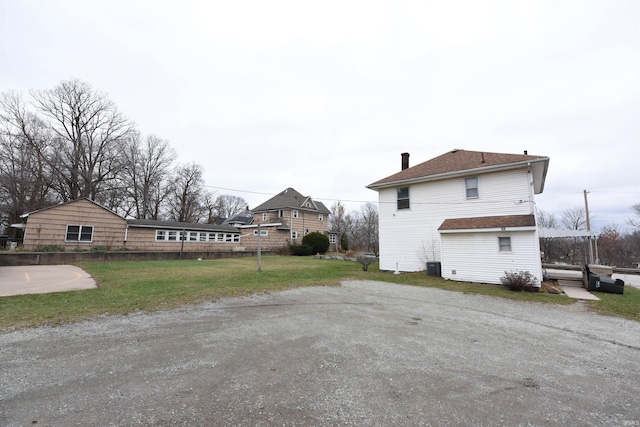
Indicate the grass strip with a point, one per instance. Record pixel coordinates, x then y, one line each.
134 286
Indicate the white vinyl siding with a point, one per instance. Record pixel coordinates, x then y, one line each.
406 234
475 257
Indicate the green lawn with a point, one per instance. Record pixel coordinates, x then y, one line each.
127 287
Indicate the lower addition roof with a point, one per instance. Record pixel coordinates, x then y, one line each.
488 222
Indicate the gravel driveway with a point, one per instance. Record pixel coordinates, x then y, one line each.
365 353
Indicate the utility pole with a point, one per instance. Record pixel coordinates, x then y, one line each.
259 233
586 210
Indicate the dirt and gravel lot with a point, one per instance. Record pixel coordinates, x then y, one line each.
366 353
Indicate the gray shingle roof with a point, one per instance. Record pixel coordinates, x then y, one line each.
150 223
291 199
243 218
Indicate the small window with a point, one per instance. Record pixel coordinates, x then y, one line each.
471 187
161 235
203 237
79 233
295 214
281 213
504 244
73 233
86 233
264 216
403 198
262 232
173 235
332 238
320 217
193 236
294 234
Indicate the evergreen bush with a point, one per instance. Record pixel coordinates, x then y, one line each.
318 242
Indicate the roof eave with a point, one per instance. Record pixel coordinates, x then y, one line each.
489 230
446 175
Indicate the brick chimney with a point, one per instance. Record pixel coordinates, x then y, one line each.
405 161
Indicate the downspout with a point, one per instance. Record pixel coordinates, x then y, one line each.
532 209
126 234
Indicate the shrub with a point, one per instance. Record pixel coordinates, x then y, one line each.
344 243
519 281
301 250
318 242
48 248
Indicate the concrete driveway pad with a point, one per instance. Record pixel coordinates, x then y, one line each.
40 279
365 353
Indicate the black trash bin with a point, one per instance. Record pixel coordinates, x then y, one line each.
611 286
592 280
434 268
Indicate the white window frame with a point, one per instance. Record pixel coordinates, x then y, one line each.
503 246
294 234
333 239
262 232
81 231
264 216
294 213
468 182
281 213
320 217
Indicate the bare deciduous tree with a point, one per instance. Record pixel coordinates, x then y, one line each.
145 174
339 221
227 205
635 222
574 218
187 194
25 175
90 132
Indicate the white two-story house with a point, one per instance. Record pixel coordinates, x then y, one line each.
474 212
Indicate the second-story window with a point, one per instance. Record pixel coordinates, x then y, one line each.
403 198
295 213
281 213
264 216
471 187
320 217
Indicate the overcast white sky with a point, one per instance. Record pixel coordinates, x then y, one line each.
324 96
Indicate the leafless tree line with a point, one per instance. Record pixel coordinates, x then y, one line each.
71 142
614 247
356 230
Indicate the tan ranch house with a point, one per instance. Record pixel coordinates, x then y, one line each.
84 224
